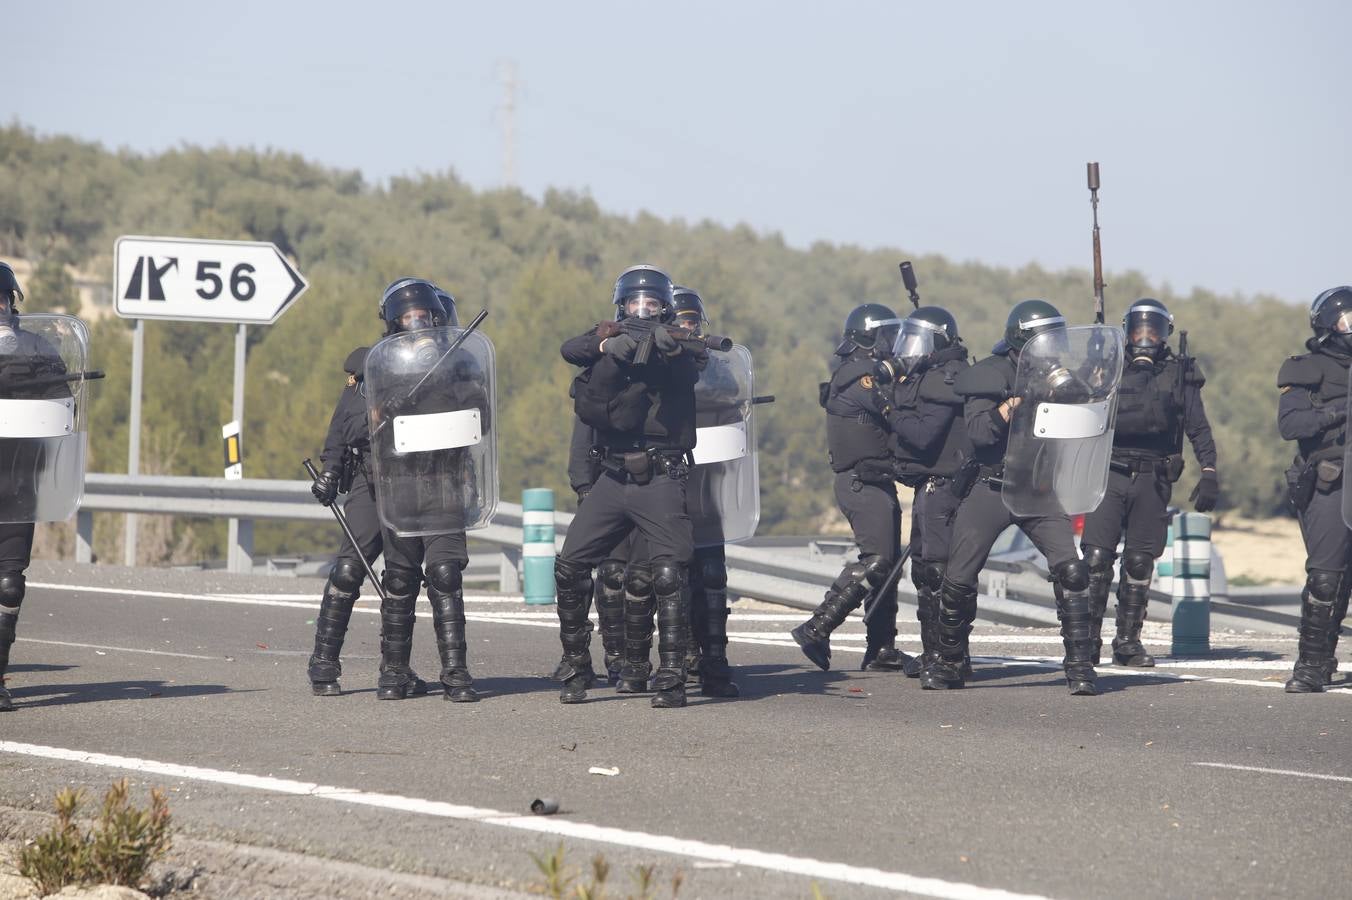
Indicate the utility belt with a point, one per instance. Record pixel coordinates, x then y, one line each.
639 466
877 472
1170 467
1322 471
970 472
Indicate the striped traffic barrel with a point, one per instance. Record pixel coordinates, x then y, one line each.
1190 537
537 545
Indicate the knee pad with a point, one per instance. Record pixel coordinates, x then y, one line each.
714 573
932 573
1138 566
1072 576
611 574
347 575
638 579
571 574
851 574
401 582
444 577
11 592
1098 558
876 570
666 578
1322 585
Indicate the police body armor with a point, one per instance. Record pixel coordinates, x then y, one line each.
855 437
723 494
433 431
933 385
43 438
1061 434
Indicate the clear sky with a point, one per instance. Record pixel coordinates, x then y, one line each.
957 128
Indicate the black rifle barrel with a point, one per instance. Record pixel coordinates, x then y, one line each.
908 280
347 530
1093 170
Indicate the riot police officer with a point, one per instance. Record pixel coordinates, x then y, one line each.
1159 401
857 438
929 445
1312 411
707 654
989 403
41 474
430 496
637 392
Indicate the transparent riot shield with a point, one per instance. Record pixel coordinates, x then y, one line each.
43 439
723 494
434 448
1061 433
1347 461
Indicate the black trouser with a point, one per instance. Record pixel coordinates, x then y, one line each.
1137 505
932 514
709 611
1328 584
616 507
874 515
442 557
981 518
16 550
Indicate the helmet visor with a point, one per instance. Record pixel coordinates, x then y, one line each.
915 340
1147 327
1343 324
642 305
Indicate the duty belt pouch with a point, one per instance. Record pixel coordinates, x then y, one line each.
639 467
1173 467
1300 490
964 478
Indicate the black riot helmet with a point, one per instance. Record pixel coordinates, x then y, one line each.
1331 317
406 296
925 331
448 305
1147 326
688 309
870 326
10 291
647 289
1029 318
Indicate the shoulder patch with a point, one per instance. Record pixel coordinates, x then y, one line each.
867 382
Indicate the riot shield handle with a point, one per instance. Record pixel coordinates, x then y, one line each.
347 530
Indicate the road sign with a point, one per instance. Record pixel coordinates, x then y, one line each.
183 279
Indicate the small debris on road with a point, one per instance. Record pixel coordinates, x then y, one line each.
601 770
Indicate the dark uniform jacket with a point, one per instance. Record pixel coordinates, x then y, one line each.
665 386
348 425
1157 405
983 387
857 437
1312 410
928 438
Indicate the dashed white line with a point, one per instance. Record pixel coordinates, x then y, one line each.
24 640
699 850
1291 772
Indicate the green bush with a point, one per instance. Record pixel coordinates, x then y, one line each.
118 850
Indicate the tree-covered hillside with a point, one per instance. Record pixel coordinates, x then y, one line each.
544 270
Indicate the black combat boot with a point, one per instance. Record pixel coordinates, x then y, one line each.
1133 593
448 620
927 614
695 603
609 596
1336 627
640 606
1072 608
8 622
335 611
1317 604
397 680
574 585
850 590
673 635
716 675
957 611
1100 562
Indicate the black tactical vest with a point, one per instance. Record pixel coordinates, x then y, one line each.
935 385
854 430
1332 391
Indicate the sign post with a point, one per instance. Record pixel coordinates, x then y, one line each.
190 280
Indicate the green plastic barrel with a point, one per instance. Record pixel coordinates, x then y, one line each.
537 545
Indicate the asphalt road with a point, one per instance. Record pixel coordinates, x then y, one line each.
1202 779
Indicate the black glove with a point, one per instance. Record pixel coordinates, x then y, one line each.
621 346
663 340
1207 492
325 487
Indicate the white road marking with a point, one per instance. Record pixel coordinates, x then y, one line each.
24 640
1291 772
562 827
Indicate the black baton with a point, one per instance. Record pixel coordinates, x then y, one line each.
347 530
